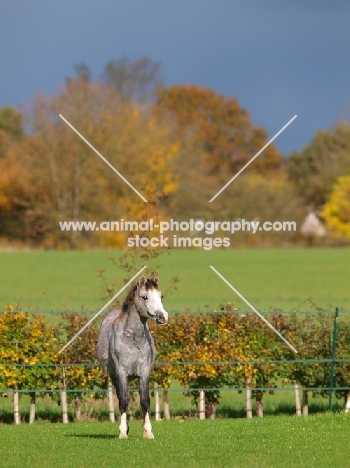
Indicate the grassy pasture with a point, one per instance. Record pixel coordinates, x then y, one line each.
268 278
320 440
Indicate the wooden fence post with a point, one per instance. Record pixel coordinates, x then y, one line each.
347 402
201 404
166 405
248 399
110 402
32 407
63 397
334 345
297 399
77 408
16 414
156 402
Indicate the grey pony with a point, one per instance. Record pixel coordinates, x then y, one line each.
125 347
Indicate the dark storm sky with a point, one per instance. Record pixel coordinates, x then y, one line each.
278 58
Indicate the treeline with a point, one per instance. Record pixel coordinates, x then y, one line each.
200 351
177 145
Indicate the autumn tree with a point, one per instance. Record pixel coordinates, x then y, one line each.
52 175
223 130
315 169
218 139
177 152
336 211
11 131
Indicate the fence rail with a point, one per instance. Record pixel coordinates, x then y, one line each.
189 312
180 389
185 363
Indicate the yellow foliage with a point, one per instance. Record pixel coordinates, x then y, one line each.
26 339
336 211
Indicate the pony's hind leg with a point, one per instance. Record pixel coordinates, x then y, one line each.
145 406
121 386
147 427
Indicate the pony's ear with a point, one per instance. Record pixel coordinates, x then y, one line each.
156 279
142 281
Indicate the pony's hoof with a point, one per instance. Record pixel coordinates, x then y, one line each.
148 435
123 435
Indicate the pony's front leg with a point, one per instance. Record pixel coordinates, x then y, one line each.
123 397
145 406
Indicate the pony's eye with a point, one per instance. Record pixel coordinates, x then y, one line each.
144 298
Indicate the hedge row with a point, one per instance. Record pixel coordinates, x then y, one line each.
229 346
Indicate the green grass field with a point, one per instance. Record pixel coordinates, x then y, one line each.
277 278
267 278
315 441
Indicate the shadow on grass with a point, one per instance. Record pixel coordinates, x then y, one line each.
45 416
278 409
94 436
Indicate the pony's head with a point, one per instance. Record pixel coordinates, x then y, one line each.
148 300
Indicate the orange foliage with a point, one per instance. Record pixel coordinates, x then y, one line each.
51 175
221 127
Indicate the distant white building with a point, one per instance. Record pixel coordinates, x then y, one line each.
312 226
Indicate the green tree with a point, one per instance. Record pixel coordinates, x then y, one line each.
315 169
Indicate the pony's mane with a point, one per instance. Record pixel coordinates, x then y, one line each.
150 284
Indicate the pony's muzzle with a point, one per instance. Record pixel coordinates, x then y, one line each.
161 318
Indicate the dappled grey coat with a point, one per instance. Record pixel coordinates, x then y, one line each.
105 339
